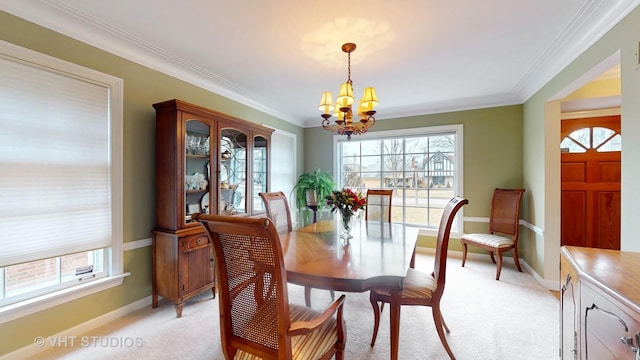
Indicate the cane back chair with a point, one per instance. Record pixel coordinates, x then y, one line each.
256 319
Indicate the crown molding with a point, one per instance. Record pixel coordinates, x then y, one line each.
595 18
62 18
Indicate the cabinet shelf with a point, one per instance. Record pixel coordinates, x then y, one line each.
189 192
191 156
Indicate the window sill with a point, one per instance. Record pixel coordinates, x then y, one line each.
31 306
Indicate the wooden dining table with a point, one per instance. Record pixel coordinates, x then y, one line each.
377 256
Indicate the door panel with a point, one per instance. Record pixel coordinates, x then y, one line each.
573 172
607 220
574 218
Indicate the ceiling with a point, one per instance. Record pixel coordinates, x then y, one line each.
278 56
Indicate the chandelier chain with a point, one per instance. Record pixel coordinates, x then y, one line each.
349 68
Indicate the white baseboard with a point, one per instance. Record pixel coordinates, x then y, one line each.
550 285
32 350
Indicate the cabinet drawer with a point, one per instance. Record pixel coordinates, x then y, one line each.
195 242
606 322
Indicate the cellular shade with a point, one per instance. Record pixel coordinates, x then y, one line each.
54 163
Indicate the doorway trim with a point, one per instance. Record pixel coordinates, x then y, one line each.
553 116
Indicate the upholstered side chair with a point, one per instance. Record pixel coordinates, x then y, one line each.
421 288
503 229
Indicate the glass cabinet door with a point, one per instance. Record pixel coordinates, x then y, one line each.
233 172
197 145
259 172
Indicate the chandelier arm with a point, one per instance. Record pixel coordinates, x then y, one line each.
327 125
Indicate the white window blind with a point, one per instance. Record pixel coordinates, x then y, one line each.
55 178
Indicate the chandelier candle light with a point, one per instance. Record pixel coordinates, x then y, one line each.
344 124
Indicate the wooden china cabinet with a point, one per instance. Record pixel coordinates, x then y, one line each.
206 162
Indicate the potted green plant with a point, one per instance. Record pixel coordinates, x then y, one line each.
313 188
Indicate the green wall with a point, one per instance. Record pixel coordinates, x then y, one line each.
492 154
541 159
142 88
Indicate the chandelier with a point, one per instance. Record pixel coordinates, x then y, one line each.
344 123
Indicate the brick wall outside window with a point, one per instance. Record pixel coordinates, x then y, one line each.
42 271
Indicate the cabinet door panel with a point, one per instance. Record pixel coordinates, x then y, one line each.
197 173
233 171
605 323
196 263
568 324
260 172
200 270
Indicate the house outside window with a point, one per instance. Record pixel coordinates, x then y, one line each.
423 166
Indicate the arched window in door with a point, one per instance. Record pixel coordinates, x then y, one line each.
600 139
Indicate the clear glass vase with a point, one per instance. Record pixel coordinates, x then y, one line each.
347 217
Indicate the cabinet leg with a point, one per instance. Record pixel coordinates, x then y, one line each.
154 301
213 290
179 309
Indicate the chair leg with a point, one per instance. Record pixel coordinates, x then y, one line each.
444 324
464 253
376 317
515 258
493 259
307 296
440 326
499 270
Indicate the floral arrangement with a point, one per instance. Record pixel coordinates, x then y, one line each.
347 202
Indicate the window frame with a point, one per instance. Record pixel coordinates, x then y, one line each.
457 229
115 265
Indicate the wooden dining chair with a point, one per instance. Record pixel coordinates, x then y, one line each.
503 229
421 288
277 208
278 211
378 205
256 319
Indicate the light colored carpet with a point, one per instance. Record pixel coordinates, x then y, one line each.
514 318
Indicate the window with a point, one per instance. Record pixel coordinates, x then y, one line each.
599 139
61 184
423 166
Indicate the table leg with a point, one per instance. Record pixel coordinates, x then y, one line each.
394 317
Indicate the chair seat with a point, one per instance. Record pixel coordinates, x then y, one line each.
309 346
490 240
416 285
